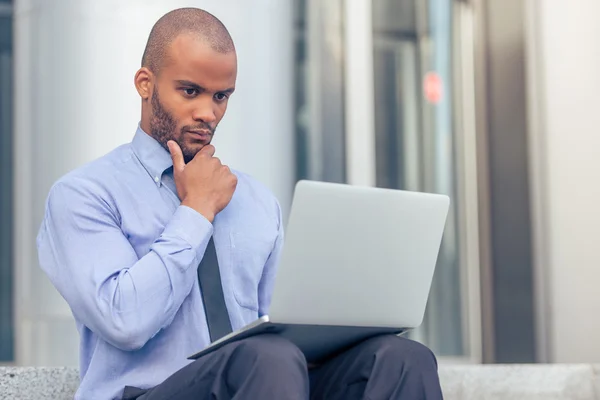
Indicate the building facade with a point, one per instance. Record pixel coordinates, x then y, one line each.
461 97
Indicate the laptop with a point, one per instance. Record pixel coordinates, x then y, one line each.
357 262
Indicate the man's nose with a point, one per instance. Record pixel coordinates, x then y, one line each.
205 111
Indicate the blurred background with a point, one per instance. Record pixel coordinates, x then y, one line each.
492 102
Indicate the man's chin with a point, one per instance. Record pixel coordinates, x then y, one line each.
190 152
191 147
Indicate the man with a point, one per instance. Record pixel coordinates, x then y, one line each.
127 239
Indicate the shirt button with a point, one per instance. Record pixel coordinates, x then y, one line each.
156 179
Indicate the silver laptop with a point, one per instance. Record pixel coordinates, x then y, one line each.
357 262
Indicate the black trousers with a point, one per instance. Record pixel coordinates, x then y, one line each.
269 367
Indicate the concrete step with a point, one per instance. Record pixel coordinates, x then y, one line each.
521 382
43 383
468 382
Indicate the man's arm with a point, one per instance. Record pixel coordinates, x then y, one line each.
124 299
267 281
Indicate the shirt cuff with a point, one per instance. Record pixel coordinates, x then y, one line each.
191 226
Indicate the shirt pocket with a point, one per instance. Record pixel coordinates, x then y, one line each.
249 255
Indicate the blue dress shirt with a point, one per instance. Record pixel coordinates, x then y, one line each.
123 252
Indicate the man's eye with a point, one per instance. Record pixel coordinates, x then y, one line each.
220 96
190 92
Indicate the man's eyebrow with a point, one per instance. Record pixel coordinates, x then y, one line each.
193 85
190 84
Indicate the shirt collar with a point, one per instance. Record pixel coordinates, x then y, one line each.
155 159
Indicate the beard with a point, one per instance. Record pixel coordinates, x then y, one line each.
163 127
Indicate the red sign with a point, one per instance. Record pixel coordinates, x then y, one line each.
433 88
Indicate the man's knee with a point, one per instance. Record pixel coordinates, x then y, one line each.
272 351
405 352
268 364
407 369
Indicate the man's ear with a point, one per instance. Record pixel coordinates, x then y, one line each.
144 79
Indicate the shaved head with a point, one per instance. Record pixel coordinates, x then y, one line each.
188 74
192 21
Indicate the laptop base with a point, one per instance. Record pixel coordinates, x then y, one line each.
317 342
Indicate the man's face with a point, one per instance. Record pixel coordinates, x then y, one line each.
190 94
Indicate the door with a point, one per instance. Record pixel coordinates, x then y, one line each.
382 95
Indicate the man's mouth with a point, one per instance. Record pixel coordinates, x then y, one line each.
201 134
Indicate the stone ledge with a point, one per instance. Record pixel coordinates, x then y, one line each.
522 382
43 383
468 382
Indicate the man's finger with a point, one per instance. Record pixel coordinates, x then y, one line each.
176 155
208 150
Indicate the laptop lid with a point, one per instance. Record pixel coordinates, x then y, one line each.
358 256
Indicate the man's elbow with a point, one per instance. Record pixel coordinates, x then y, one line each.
127 340
129 345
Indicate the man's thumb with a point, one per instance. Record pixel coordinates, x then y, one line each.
176 155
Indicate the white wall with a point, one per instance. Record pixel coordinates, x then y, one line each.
75 100
565 144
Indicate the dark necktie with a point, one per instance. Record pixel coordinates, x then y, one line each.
211 289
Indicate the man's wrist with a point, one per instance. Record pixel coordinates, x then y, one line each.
200 207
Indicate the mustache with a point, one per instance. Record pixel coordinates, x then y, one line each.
201 126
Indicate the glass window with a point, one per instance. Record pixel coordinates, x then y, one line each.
412 42
300 73
6 170
320 146
414 118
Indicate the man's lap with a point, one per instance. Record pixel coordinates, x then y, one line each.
216 372
223 370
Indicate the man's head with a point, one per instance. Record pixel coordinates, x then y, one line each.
188 72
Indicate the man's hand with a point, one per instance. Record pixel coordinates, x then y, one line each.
203 184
